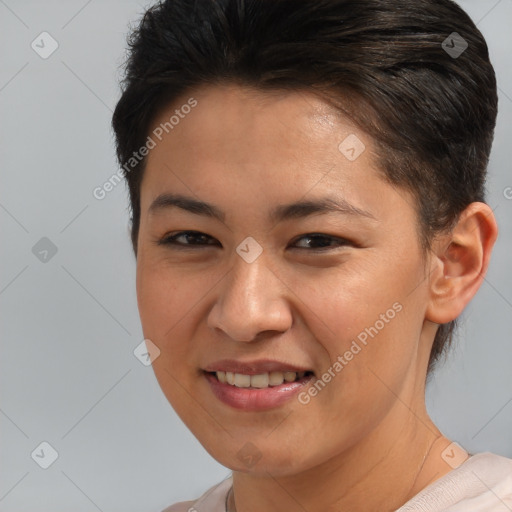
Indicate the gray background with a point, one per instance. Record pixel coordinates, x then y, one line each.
69 325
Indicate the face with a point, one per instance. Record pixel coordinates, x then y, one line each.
270 247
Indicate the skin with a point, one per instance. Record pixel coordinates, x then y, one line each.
365 442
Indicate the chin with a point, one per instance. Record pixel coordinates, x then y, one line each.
258 457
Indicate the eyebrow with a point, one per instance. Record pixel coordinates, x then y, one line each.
280 213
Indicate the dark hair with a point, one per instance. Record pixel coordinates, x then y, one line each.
392 66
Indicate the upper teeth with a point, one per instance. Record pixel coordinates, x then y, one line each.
263 380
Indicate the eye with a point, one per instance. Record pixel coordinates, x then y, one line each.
188 238
321 242
314 241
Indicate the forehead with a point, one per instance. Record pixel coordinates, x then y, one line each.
251 128
240 146
231 112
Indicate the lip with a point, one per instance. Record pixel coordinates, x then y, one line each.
254 399
253 367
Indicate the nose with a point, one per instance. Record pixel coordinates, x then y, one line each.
250 302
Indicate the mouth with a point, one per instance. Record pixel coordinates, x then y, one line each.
261 380
255 387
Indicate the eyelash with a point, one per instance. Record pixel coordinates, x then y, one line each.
170 240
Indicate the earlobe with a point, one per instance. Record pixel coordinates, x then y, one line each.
459 261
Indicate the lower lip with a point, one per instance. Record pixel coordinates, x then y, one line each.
253 399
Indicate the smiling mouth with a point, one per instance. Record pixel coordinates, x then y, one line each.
262 380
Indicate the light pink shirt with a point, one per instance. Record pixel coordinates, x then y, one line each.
481 484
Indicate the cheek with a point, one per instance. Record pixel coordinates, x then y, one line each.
164 300
164 295
366 320
166 304
173 304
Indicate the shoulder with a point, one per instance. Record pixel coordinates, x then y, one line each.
182 506
491 461
481 484
214 498
491 471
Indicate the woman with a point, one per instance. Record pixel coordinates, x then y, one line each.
307 195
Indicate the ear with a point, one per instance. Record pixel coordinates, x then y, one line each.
459 261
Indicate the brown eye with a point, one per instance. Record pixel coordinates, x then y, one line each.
188 239
319 241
